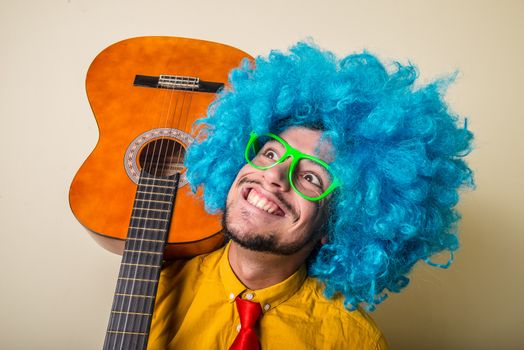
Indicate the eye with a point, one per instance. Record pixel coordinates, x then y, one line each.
270 154
313 179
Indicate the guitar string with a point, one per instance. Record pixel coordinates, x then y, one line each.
163 162
159 159
150 155
123 284
146 165
146 162
156 161
180 156
179 119
182 125
173 121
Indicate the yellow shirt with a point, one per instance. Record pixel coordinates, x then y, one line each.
195 309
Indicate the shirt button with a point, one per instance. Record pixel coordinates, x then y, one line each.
266 307
238 328
249 296
231 296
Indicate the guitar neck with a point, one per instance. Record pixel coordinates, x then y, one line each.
137 283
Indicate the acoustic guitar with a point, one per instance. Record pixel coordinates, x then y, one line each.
131 192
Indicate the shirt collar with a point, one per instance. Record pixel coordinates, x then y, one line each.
269 297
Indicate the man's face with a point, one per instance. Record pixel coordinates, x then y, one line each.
264 213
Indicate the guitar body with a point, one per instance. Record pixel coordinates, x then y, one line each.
138 122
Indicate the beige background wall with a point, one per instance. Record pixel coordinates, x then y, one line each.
57 283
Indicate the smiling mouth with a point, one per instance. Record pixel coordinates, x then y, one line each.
259 201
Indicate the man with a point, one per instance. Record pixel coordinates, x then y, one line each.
334 177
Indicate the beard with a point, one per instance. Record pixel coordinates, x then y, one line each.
264 242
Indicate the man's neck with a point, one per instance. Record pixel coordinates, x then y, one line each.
258 270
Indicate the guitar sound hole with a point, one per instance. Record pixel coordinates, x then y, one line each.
162 157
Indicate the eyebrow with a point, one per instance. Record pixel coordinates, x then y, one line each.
272 141
318 167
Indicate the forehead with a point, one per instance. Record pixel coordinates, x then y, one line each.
309 141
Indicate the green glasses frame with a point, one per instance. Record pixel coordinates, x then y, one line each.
296 155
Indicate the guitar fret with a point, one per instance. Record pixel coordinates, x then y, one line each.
136 279
146 240
149 209
142 251
146 246
131 313
144 216
154 240
122 332
134 287
147 228
152 211
141 265
156 193
130 304
155 179
150 259
139 218
157 229
153 207
137 272
135 295
125 341
158 186
151 200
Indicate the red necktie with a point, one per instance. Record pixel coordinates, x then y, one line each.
249 313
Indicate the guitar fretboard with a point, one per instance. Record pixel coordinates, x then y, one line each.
137 283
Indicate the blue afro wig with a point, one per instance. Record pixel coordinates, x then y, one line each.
398 155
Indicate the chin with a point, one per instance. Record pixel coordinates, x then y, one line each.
259 242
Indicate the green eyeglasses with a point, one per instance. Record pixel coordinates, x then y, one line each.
309 176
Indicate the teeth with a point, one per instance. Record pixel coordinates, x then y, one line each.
261 202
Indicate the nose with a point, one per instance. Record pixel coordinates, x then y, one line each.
277 176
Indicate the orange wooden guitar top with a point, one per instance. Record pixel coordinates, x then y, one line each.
102 193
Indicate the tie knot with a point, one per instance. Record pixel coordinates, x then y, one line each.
248 311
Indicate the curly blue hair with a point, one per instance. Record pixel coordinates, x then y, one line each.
398 154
